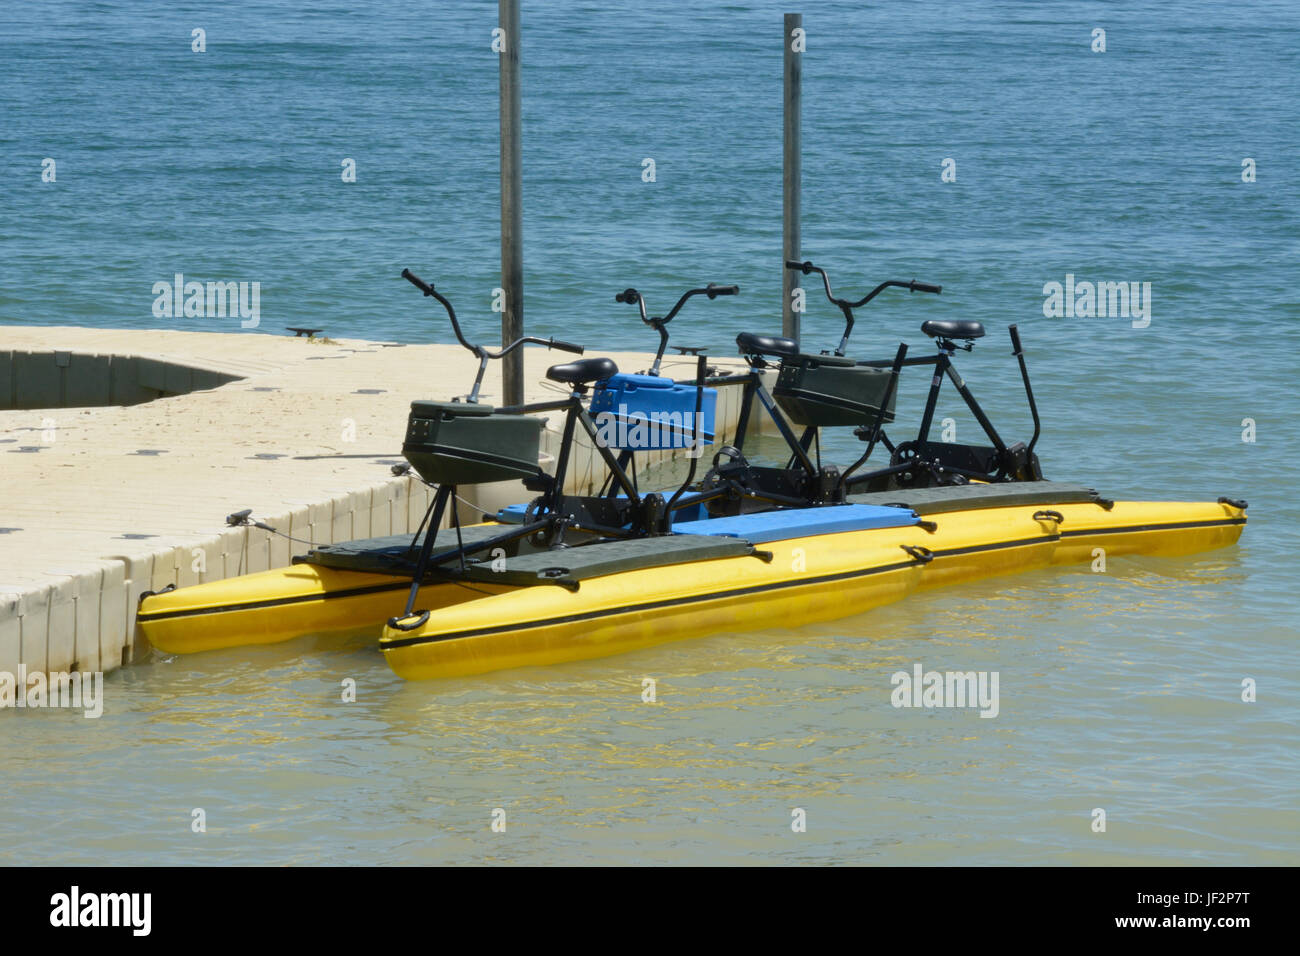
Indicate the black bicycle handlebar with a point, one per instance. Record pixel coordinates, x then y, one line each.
847 307
429 290
416 281
807 268
530 340
479 351
712 290
658 323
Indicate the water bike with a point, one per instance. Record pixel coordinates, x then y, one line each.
588 576
807 541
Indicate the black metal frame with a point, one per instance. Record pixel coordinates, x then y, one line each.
941 459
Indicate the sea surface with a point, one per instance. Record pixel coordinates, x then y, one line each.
1120 691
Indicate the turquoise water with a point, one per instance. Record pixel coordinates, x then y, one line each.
1119 691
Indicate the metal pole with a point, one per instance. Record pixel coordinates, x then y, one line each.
512 252
792 174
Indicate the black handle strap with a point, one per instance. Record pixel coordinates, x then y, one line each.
922 555
409 622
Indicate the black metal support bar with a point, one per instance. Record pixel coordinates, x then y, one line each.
555 405
611 462
784 428
626 460
1019 353
556 493
699 497
941 364
696 447
718 380
430 536
880 473
876 432
746 404
974 406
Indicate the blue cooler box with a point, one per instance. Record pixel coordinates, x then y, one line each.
646 412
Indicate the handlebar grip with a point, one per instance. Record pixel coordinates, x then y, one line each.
630 296
924 287
416 281
566 346
716 290
1015 341
804 267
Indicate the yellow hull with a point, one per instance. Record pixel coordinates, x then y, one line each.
808 579
279 605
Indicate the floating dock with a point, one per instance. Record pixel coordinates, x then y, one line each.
122 452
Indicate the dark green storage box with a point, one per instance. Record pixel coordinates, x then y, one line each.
830 390
458 443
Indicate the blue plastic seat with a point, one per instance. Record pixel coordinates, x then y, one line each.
800 522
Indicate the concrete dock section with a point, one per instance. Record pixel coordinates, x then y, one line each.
122 452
